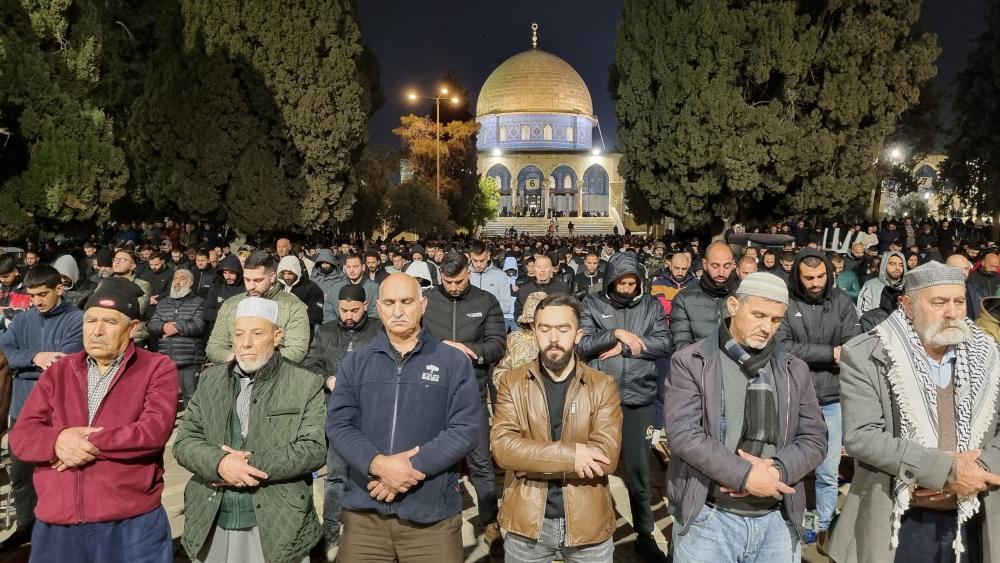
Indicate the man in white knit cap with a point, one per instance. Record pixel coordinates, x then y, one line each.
744 429
252 436
919 396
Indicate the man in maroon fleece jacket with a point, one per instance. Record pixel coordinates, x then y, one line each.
96 426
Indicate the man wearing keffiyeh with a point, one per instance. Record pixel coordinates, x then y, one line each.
744 428
919 395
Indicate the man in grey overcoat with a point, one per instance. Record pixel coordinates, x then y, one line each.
919 395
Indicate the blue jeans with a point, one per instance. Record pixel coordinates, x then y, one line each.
519 549
333 494
717 536
826 473
145 539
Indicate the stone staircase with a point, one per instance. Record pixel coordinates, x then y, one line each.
582 226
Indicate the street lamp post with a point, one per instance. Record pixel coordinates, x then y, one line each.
442 95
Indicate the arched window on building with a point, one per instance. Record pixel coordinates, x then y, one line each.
503 134
525 133
596 198
547 132
502 177
569 134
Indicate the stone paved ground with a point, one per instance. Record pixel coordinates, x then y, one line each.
176 477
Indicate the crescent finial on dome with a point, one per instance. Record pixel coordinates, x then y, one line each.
534 36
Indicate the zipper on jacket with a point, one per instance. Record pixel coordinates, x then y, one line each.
454 320
395 406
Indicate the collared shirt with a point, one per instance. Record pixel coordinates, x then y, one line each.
98 385
243 399
943 370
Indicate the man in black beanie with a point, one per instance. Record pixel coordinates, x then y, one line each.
352 329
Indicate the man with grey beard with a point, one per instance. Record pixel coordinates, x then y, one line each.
251 437
178 326
919 396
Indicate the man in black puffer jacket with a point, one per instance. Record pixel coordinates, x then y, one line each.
697 311
624 331
819 320
471 320
179 325
228 282
331 343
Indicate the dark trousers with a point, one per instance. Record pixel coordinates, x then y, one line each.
23 489
481 473
662 371
141 539
925 536
188 380
637 433
370 537
333 494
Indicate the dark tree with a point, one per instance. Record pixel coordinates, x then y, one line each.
734 109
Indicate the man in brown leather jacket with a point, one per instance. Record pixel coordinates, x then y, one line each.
557 431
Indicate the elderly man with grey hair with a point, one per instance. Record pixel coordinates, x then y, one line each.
744 429
178 326
251 437
919 394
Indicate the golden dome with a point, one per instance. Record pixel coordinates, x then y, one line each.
534 82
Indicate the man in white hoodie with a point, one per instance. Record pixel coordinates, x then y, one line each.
292 281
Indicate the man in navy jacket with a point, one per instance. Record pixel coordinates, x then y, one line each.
405 411
37 339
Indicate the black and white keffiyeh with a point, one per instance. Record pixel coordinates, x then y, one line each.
976 381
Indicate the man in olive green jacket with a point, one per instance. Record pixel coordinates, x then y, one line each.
260 276
252 436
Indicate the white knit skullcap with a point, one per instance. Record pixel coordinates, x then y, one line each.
258 307
763 284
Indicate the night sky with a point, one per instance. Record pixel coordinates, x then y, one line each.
418 42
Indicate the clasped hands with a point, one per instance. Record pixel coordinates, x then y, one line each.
235 470
764 479
73 448
625 338
393 475
968 478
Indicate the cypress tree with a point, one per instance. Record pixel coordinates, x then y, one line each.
753 109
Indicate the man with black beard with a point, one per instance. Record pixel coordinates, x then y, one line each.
698 310
334 340
557 431
624 331
373 267
819 320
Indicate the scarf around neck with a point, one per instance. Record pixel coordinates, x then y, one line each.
760 407
976 382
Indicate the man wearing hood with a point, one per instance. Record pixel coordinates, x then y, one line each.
820 319
327 272
228 282
354 273
76 289
698 310
624 331
890 272
291 278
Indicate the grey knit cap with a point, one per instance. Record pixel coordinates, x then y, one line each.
763 284
930 274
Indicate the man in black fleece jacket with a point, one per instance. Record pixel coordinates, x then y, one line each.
820 319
